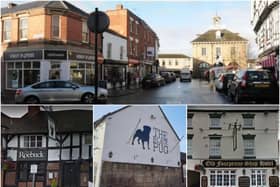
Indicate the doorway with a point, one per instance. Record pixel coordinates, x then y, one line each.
70 176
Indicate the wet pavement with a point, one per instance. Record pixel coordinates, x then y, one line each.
195 92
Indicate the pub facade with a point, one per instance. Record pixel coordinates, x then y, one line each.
46 148
233 146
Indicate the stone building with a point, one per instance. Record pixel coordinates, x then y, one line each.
174 62
136 146
142 41
218 45
265 22
44 40
57 143
233 145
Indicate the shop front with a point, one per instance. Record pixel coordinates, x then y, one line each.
134 71
247 173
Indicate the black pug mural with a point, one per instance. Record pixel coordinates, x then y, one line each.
143 135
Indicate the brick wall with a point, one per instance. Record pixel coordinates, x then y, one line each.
128 175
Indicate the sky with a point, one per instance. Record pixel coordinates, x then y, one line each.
177 23
176 114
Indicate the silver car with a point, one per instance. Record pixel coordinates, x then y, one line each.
58 91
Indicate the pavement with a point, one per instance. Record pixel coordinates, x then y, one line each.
117 92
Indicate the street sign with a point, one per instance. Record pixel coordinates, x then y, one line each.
33 168
98 22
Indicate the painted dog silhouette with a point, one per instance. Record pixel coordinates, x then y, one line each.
144 136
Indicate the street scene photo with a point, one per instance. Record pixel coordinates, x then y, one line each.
98 52
139 145
233 146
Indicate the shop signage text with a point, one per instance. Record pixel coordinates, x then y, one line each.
80 56
160 141
30 155
238 163
23 55
50 54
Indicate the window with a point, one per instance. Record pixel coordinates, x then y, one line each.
121 52
218 51
189 148
170 63
88 139
109 50
203 52
85 34
23 28
24 171
131 25
222 178
82 73
249 147
248 120
215 147
131 47
55 26
215 120
21 74
190 116
7 30
176 63
136 49
258 177
163 63
32 141
232 51
136 28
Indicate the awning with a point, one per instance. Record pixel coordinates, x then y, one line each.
133 61
269 61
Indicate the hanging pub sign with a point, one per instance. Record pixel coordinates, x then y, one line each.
81 56
55 54
238 163
25 55
32 154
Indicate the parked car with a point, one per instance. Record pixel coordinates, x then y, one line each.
167 76
152 80
185 75
173 76
253 85
58 91
221 82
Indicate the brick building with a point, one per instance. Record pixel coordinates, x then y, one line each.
218 45
44 40
142 41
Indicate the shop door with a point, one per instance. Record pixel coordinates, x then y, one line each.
70 175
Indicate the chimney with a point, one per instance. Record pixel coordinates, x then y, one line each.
33 110
119 7
11 5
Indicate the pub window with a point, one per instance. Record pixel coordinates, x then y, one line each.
203 51
189 148
249 147
258 177
7 30
85 34
23 28
121 52
32 141
24 171
109 50
222 177
248 120
55 26
215 147
215 119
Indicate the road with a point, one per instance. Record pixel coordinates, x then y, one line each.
195 92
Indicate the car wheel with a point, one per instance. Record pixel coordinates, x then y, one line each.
31 100
88 98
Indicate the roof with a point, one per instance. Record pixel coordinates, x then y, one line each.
166 55
65 121
210 36
234 108
64 5
99 121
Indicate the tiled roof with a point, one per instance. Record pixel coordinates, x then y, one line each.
44 4
210 36
172 56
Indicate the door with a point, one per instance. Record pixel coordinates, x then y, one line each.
71 176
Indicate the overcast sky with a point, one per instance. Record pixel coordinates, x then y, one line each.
178 23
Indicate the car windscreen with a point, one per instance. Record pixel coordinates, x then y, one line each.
259 76
44 85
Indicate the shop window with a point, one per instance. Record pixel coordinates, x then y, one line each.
215 147
249 147
258 177
7 30
203 51
55 26
23 28
21 74
82 73
24 171
109 50
85 32
32 141
222 177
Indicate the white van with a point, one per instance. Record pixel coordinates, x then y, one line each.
185 75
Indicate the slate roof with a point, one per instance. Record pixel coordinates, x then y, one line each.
65 121
210 36
172 56
64 5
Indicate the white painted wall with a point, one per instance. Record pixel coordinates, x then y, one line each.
182 63
117 42
120 130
